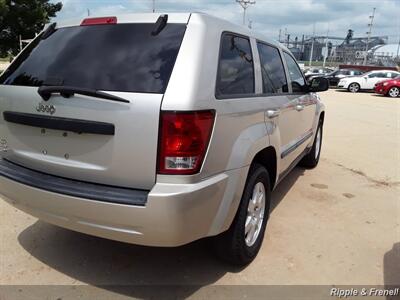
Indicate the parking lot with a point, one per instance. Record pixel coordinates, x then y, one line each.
334 225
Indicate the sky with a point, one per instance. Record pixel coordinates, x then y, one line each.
267 16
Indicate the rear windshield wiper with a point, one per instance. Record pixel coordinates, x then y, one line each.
67 91
49 31
160 24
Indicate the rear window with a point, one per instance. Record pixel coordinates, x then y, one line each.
123 57
235 70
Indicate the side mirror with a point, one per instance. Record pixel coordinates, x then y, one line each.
318 84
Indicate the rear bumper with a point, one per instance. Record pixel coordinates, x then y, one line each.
175 214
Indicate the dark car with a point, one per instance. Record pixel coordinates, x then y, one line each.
335 76
310 73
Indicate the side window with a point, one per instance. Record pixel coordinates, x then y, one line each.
390 75
377 75
273 72
297 79
394 75
235 70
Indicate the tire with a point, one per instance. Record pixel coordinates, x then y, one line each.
353 87
235 245
394 92
312 158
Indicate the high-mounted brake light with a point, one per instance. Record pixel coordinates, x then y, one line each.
99 21
184 138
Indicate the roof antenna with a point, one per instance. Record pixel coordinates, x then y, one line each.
160 24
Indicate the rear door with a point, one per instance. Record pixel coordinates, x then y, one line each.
124 60
373 79
281 110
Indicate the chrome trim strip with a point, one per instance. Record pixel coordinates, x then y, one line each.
293 147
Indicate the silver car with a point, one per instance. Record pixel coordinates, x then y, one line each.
156 129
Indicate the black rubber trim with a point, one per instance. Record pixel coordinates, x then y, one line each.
57 123
71 187
293 165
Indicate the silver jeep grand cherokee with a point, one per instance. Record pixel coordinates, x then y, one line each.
156 129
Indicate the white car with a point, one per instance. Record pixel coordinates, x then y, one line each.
366 81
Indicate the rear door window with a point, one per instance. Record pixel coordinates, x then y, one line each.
121 57
235 69
377 75
295 75
273 72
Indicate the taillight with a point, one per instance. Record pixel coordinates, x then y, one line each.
184 138
99 21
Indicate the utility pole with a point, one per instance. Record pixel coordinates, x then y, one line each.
370 24
279 36
88 12
326 47
312 46
398 46
245 5
154 6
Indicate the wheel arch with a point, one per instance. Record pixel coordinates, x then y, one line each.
267 158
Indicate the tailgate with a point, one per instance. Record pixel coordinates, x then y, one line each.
85 137
125 158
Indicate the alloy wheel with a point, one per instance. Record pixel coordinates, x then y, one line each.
255 214
354 87
318 143
394 92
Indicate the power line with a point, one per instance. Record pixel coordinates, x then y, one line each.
245 5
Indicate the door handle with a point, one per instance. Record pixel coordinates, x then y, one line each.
299 107
273 113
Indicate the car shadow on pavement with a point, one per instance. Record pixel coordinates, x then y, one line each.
120 267
127 269
359 92
285 185
391 269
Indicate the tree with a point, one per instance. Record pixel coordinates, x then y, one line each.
23 18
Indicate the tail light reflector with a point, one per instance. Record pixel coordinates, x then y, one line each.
184 138
99 21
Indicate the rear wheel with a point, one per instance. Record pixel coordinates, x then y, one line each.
312 158
394 92
241 243
354 87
